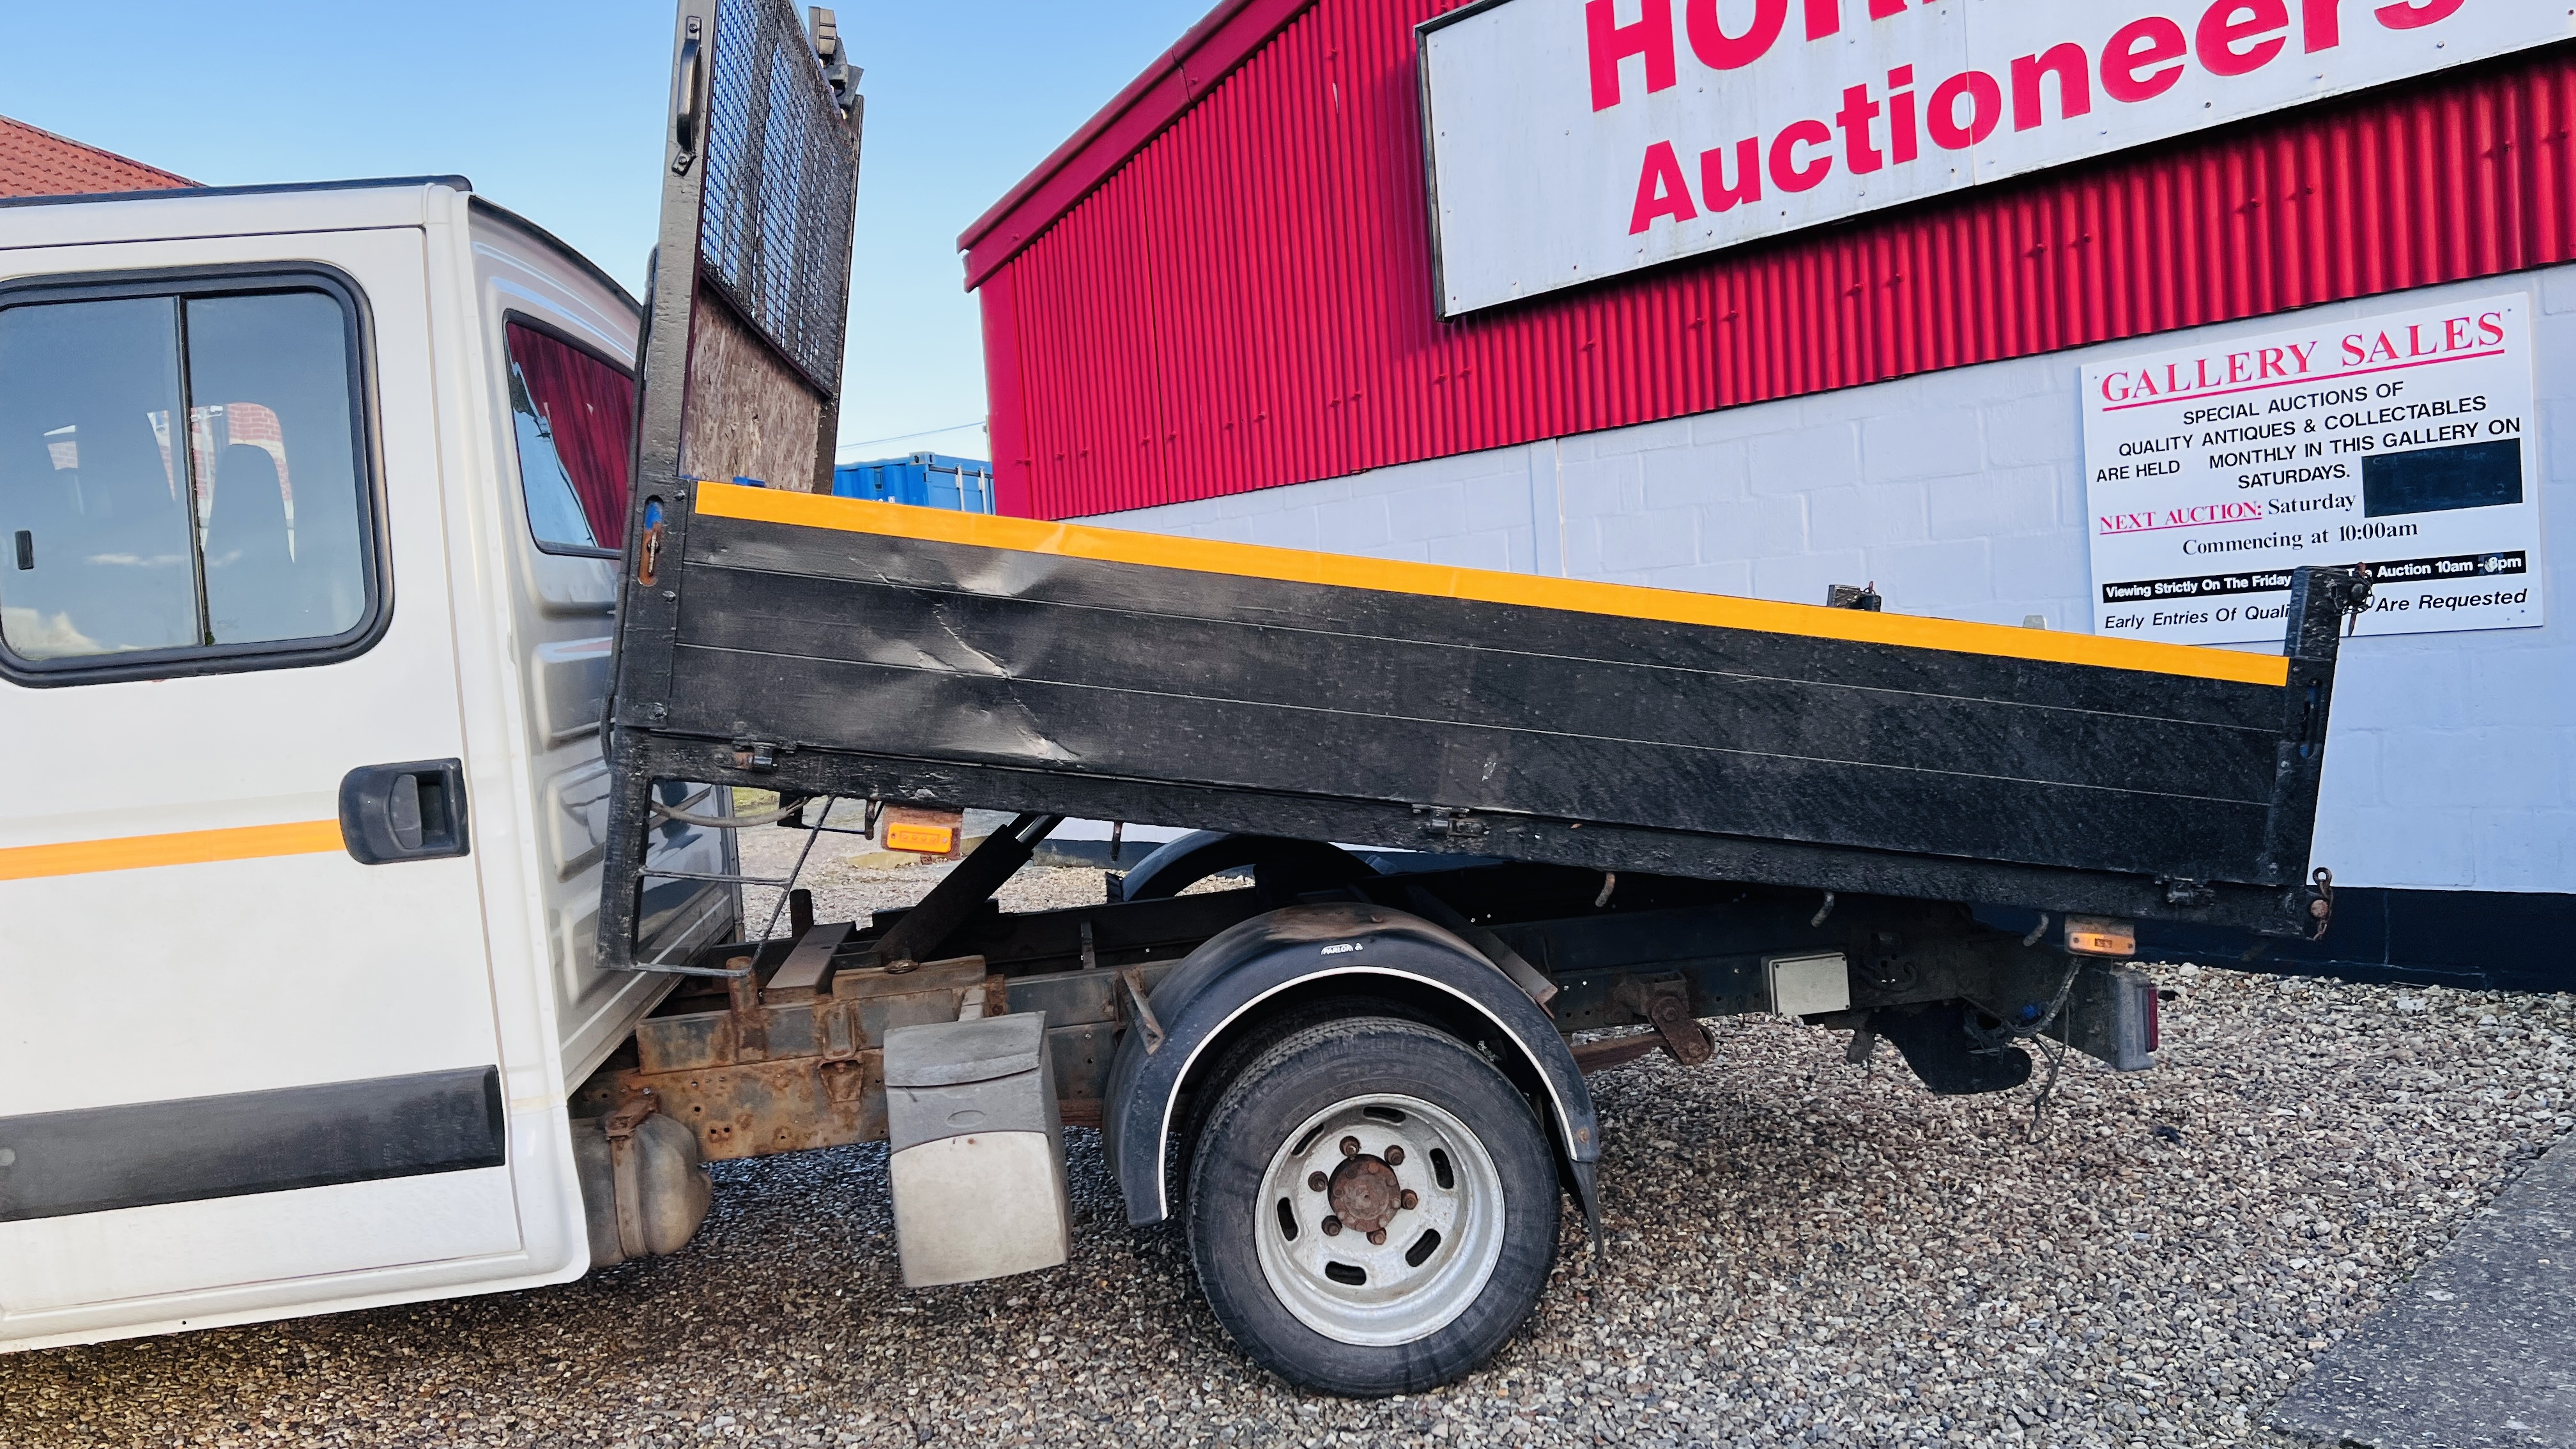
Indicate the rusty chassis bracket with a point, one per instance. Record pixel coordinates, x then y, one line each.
786 1053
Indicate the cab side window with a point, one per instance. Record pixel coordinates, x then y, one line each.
182 479
575 420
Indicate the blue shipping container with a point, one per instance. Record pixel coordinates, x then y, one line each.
931 480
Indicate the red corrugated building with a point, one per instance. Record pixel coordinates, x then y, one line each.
1223 282
40 163
1763 295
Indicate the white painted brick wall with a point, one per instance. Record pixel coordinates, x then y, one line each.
1961 494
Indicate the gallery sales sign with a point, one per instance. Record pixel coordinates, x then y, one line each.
1572 140
2397 441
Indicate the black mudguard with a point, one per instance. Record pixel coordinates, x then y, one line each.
1279 866
1221 988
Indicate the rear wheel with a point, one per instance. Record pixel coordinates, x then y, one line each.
1372 1207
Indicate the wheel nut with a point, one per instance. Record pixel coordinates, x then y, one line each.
1350 1147
1332 1227
1317 1181
1410 1200
1377 1239
1394 1157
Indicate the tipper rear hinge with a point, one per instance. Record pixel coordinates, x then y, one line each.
1449 822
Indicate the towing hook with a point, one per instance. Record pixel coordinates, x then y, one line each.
2321 902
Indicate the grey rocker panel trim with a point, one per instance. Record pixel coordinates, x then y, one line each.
98 1159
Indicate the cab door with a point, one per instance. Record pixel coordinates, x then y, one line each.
248 1059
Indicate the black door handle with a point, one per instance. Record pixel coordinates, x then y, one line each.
414 811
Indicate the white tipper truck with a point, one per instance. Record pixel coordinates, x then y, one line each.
390 605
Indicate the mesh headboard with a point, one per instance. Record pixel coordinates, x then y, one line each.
751 277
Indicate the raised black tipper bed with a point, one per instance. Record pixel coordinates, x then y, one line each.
1358 1082
865 650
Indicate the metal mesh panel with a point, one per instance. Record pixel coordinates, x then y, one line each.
782 171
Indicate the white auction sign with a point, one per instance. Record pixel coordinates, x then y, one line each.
2400 441
1572 140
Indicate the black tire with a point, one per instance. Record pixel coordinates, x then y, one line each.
1249 1045
1317 1071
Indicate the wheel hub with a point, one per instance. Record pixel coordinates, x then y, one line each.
1365 1193
1362 1254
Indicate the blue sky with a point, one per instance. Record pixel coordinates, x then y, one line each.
554 108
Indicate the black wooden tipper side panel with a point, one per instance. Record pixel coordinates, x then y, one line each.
1491 708
867 662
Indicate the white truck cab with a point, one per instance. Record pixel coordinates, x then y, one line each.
310 501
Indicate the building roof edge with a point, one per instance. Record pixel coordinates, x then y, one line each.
95 156
1224 39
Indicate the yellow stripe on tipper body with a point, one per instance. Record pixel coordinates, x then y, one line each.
1352 571
185 847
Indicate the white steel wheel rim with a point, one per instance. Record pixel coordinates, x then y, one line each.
1408 1288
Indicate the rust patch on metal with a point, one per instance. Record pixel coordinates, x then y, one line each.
1365 1193
753 1109
1664 1003
1617 1051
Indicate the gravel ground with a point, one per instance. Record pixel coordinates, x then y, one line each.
847 892
1800 1250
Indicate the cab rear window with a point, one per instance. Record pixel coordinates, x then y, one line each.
183 477
574 418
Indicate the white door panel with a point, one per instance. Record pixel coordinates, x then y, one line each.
238 976
184 931
188 1248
